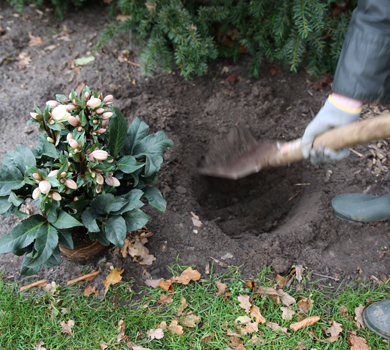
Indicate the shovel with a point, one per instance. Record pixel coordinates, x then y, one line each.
240 154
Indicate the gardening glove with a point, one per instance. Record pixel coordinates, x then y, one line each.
332 115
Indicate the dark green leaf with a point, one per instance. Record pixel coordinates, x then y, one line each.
133 202
118 133
48 148
128 164
89 220
9 158
22 234
51 210
155 198
136 132
65 238
101 237
135 219
15 200
66 221
10 179
83 118
116 230
4 204
116 205
153 164
152 145
20 214
45 243
54 259
27 271
100 202
23 158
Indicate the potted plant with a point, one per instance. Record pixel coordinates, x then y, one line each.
89 176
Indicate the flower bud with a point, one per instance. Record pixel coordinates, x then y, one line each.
74 101
70 107
95 121
63 174
74 121
71 155
50 139
99 188
94 133
99 155
70 96
107 115
37 176
52 103
70 184
108 98
51 122
105 123
56 196
36 193
44 186
80 128
112 181
74 144
94 102
101 131
33 115
69 137
53 173
60 113
99 179
100 110
86 95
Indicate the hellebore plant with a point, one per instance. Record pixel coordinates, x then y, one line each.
89 170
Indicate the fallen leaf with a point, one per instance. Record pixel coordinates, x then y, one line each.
244 303
39 345
113 277
251 285
343 310
280 281
103 346
189 320
234 341
255 339
335 329
249 328
89 290
328 340
276 328
221 287
243 320
163 325
153 283
183 305
220 263
88 277
318 84
174 328
359 316
24 60
298 272
82 61
195 220
286 299
272 71
165 299
232 78
156 333
40 283
125 248
121 331
64 311
303 306
67 327
288 313
187 275
166 285
34 40
51 288
357 343
305 323
255 313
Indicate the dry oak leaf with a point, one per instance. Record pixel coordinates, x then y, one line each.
305 323
113 277
39 345
255 313
89 290
251 285
174 328
335 329
243 320
165 299
357 343
343 310
66 327
281 281
34 40
166 285
255 339
103 346
189 320
359 316
288 313
157 333
221 287
328 340
163 325
286 299
276 328
298 272
187 276
153 283
244 303
183 305
125 248
250 327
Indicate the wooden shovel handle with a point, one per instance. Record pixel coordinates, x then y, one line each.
358 133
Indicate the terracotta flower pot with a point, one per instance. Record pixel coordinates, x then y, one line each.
83 252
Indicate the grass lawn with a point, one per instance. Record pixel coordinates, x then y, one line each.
123 319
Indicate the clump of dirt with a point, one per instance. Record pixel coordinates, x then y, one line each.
278 216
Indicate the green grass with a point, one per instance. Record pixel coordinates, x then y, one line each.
26 318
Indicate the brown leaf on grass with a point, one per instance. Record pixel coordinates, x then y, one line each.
165 299
276 328
166 285
153 283
174 328
243 320
255 339
121 332
88 277
335 329
251 285
359 316
286 299
280 281
189 320
89 290
303 306
221 287
328 340
234 341
113 277
34 40
244 303
298 272
66 327
40 283
207 338
357 343
51 288
343 311
249 328
255 313
187 275
195 220
163 325
287 313
305 323
103 346
157 333
39 345
183 305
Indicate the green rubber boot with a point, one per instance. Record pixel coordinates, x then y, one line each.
362 207
377 318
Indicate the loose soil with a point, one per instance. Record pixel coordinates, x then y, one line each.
279 216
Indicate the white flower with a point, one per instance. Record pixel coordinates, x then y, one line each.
60 113
94 102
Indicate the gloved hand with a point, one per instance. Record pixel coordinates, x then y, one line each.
332 115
